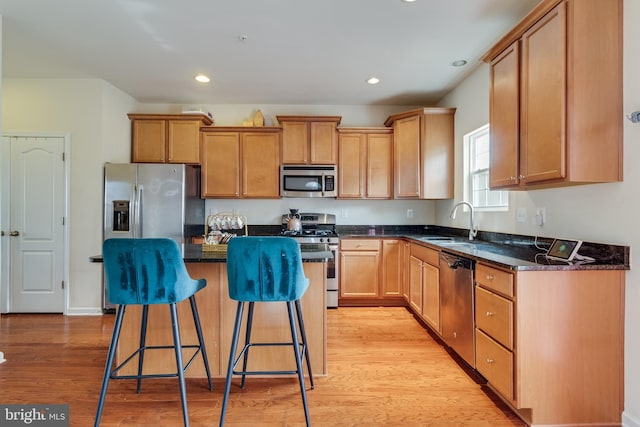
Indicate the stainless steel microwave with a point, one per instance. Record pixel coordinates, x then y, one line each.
308 181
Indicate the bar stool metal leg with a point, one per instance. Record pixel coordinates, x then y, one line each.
296 350
178 350
110 356
247 343
203 350
143 340
232 357
303 335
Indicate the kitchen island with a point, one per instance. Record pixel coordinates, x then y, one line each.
217 315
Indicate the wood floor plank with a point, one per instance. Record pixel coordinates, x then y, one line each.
384 370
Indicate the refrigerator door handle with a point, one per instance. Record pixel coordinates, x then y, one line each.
136 212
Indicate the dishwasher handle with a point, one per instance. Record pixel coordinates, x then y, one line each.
454 262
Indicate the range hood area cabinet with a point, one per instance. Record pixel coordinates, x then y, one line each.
556 97
309 139
365 163
166 138
240 162
423 150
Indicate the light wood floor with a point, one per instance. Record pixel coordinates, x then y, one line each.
384 370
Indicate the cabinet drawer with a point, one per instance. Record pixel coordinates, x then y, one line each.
360 244
425 254
494 316
495 363
497 280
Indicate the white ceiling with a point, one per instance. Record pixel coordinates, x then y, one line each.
296 51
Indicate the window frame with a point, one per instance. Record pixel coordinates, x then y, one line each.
470 140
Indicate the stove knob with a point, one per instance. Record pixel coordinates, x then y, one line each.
322 240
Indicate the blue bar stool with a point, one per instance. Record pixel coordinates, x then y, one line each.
143 272
266 269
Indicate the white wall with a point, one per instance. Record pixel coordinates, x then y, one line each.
605 213
94 113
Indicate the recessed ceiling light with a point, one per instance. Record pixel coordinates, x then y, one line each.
202 78
408 1
373 80
459 63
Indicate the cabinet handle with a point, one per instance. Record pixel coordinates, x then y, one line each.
512 178
489 276
359 245
489 361
14 233
489 313
521 176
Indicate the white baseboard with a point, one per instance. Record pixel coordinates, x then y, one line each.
84 311
629 421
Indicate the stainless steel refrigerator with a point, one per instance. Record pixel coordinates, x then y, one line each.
152 200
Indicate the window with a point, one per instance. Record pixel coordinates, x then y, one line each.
477 191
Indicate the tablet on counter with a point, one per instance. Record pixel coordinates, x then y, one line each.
564 249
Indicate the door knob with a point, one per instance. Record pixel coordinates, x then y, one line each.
14 233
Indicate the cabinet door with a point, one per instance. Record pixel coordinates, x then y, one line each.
295 142
406 144
378 182
324 143
415 285
359 273
149 138
504 112
221 164
431 295
261 164
543 115
392 258
351 165
436 154
183 142
406 258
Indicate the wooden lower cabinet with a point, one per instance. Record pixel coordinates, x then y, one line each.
217 315
371 272
424 285
551 343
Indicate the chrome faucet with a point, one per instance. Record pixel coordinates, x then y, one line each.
473 231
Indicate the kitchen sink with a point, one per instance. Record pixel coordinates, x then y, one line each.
436 239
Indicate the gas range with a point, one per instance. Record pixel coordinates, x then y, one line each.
319 234
316 228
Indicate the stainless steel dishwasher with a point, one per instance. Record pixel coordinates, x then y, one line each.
457 305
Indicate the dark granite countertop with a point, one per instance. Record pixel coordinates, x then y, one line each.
514 252
194 254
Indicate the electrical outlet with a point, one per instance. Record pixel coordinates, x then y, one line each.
344 213
409 213
521 215
541 216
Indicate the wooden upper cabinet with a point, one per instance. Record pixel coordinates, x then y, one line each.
309 139
423 150
556 97
166 138
221 164
260 164
240 163
365 163
504 118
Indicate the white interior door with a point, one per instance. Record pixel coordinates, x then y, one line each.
36 233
